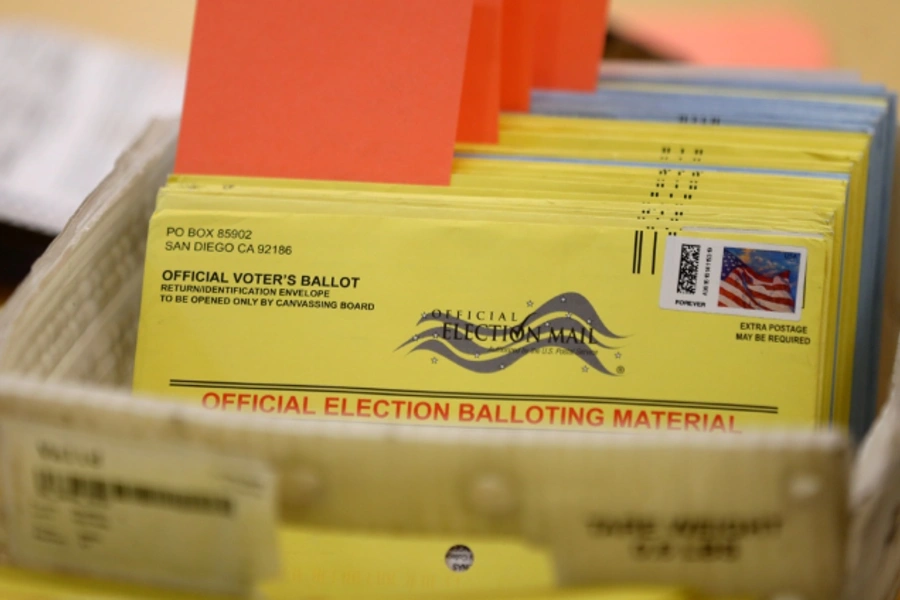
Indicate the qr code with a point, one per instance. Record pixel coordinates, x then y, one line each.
687 269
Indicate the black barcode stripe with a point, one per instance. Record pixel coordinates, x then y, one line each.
653 264
640 255
634 253
74 487
804 291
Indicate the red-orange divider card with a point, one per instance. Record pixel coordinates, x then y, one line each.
479 118
358 90
517 70
569 40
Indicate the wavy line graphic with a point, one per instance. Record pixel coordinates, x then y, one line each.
499 363
580 315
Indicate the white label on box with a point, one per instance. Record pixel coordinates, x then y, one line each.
141 512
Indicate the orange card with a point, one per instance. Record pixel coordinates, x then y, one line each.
569 40
479 116
356 90
517 64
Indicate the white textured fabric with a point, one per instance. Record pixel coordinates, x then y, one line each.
75 317
69 106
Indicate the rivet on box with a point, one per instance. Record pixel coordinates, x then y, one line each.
302 486
492 495
804 486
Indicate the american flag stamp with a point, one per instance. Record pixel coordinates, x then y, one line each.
722 276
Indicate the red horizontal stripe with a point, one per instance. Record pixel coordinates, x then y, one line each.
787 301
770 293
767 281
735 298
734 289
779 280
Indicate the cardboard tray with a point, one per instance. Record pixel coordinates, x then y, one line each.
67 341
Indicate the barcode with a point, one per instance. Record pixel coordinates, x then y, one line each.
687 270
700 119
73 487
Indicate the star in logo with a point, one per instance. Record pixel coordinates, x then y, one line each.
415 337
563 299
584 369
530 303
618 355
434 361
424 315
477 355
502 366
569 315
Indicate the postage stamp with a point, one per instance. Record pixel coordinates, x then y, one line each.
719 276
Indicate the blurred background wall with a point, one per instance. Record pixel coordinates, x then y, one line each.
160 26
857 34
860 34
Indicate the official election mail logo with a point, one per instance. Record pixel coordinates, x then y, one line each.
491 341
